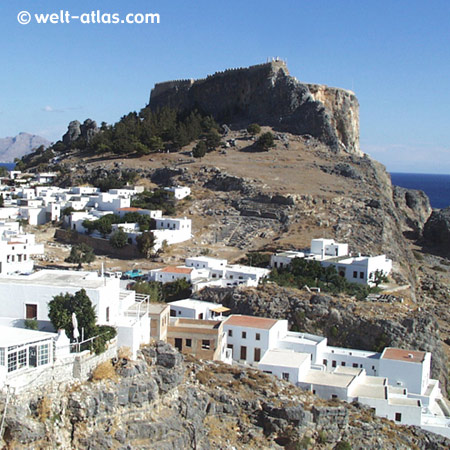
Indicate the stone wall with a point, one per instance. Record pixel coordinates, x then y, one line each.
100 246
268 95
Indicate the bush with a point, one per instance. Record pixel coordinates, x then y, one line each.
104 371
119 239
254 129
31 324
343 445
200 150
265 141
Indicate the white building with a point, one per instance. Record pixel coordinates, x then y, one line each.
179 192
197 309
360 269
27 297
16 249
284 259
328 248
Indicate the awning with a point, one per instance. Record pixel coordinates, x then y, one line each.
220 309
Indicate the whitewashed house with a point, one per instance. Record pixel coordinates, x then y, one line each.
179 192
324 248
283 259
16 249
189 308
27 297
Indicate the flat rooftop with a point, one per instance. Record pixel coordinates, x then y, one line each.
60 278
403 401
198 324
250 322
284 358
369 391
10 336
157 308
403 355
327 379
302 339
193 303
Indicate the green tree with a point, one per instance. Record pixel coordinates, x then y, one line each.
152 289
212 140
3 171
176 290
254 129
80 254
265 141
60 311
119 239
379 277
146 243
200 150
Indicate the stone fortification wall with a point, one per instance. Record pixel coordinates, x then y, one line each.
267 94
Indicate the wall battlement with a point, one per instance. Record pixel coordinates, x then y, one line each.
267 94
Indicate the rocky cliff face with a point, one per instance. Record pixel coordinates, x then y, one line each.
87 130
268 95
164 403
437 231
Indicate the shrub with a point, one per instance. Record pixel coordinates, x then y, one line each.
200 150
265 141
343 445
31 324
104 371
254 129
119 239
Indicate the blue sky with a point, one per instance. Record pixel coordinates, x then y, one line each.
394 54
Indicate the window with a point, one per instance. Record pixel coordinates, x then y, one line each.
21 358
355 365
43 355
258 336
334 396
2 356
173 313
361 275
230 333
243 352
333 364
107 313
188 342
398 417
257 355
206 344
343 363
30 311
325 362
179 344
314 391
355 274
244 335
12 361
285 376
230 346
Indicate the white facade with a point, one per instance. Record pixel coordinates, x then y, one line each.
328 248
16 249
196 309
179 192
284 259
361 269
285 364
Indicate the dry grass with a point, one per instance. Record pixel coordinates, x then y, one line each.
125 353
104 371
44 408
204 376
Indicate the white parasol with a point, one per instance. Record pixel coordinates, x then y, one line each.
76 333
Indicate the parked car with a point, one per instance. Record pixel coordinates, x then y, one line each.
133 273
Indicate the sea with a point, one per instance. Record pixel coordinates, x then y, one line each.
436 186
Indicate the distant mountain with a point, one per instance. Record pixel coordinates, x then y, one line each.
17 146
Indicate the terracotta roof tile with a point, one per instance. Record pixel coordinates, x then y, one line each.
251 322
175 269
403 355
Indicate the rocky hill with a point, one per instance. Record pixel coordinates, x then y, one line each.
161 402
268 95
20 145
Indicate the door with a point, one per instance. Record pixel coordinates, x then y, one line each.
243 353
179 344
